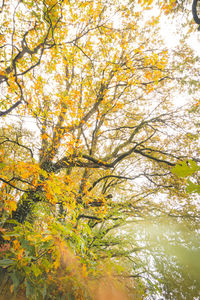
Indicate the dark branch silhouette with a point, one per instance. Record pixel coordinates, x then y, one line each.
195 14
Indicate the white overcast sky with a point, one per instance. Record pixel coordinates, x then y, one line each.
171 38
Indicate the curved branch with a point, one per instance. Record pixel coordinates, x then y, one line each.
194 12
12 185
17 143
113 176
5 112
154 158
2 6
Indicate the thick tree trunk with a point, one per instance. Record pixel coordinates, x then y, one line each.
25 205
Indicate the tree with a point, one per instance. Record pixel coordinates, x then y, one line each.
99 92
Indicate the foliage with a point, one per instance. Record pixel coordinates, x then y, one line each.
186 169
90 143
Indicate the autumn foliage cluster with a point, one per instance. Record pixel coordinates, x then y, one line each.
90 140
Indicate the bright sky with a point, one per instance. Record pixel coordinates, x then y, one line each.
171 38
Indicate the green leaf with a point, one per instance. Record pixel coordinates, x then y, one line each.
2 165
44 290
46 263
185 169
4 263
16 278
30 291
36 270
192 187
11 221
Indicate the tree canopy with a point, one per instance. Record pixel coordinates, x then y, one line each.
99 167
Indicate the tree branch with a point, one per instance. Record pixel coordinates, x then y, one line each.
12 185
3 113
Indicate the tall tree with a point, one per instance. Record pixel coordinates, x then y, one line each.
96 81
